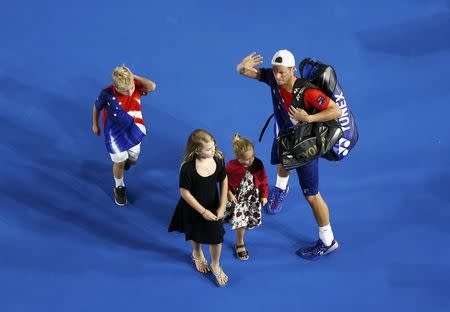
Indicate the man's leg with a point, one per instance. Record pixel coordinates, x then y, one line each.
282 178
280 190
322 216
309 181
275 202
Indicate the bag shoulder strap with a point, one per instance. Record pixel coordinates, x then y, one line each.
300 86
298 92
265 127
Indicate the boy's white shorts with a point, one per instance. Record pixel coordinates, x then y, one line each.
132 154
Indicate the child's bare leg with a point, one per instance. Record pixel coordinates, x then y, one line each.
199 258
215 251
118 170
240 236
241 251
240 245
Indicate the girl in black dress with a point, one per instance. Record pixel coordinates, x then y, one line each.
200 210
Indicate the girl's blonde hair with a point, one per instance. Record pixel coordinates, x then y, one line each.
241 145
122 77
195 143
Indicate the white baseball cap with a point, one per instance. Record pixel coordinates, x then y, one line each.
283 58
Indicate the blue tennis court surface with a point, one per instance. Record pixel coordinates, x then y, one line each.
65 245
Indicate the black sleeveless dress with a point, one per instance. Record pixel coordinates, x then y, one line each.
204 189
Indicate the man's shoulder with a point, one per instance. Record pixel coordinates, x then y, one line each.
316 98
266 75
315 94
268 72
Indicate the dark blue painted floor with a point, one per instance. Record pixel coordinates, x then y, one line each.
65 246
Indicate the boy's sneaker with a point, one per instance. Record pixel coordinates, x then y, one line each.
276 200
120 195
319 250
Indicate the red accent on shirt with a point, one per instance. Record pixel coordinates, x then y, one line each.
138 120
105 114
129 103
287 97
316 98
236 172
311 97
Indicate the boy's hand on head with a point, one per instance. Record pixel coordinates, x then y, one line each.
128 70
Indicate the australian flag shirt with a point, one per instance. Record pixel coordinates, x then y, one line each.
122 119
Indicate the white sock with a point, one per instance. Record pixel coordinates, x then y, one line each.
119 182
326 235
282 182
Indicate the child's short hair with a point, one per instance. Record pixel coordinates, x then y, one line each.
195 142
241 145
122 77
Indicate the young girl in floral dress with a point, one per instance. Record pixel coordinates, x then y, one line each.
247 192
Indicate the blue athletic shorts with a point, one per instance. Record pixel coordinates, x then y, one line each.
308 174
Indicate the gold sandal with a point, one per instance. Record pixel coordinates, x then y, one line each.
218 276
198 262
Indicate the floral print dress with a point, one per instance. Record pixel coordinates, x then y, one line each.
247 212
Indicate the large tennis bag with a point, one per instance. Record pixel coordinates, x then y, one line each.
324 77
299 144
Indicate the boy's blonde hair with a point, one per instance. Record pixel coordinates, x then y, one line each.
195 142
241 145
122 77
